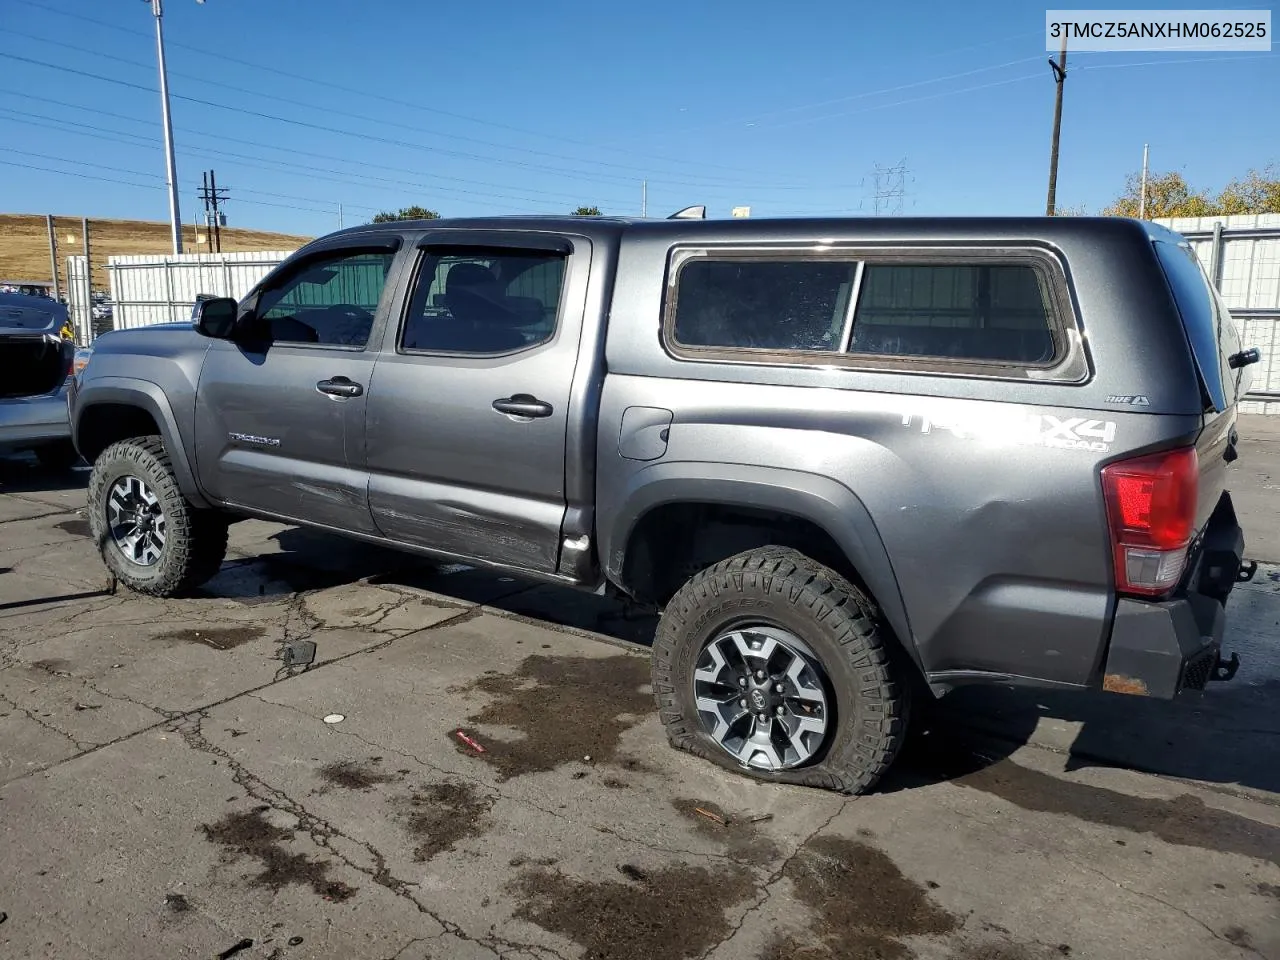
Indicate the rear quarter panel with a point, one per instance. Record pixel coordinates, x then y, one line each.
985 493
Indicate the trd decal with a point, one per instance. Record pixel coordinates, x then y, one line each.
255 441
1041 430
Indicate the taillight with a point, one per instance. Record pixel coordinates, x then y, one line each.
1151 509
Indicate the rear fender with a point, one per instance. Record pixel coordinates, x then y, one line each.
820 500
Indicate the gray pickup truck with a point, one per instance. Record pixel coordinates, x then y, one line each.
855 463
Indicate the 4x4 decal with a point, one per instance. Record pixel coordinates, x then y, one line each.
1043 430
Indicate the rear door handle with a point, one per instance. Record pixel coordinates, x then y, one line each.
523 405
340 387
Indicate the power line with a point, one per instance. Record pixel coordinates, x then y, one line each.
635 171
255 163
390 141
258 145
335 111
224 58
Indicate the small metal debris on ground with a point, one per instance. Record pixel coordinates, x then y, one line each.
299 653
468 741
761 817
88 706
711 816
335 718
232 950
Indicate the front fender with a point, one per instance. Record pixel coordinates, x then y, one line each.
148 396
820 500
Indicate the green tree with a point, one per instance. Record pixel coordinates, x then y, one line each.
587 212
1168 195
1254 193
406 213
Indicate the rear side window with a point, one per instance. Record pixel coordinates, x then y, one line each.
1208 324
763 305
994 313
471 300
997 313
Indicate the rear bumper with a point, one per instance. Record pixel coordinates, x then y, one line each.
32 421
1159 648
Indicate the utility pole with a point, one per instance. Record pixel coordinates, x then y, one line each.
339 216
644 198
1142 202
171 164
217 219
53 254
1059 77
212 195
86 319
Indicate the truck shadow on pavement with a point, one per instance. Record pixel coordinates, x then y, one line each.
1228 735
1222 736
21 473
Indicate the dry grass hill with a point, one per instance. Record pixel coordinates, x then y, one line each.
24 243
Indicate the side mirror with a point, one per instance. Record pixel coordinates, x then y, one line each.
215 317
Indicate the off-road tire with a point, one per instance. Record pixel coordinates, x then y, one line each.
195 539
57 457
782 586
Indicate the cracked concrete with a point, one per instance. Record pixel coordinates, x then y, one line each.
127 727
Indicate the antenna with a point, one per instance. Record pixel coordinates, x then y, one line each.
697 212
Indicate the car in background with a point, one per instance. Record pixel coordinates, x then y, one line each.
38 356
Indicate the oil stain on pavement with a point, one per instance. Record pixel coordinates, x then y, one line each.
677 911
1184 821
219 638
350 775
568 708
249 834
441 815
742 840
863 904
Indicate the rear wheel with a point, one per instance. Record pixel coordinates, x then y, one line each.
772 665
150 536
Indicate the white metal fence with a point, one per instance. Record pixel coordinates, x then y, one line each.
1242 256
149 289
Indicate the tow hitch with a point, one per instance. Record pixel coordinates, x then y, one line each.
1247 569
1226 669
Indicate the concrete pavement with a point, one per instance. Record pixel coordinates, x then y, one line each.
169 788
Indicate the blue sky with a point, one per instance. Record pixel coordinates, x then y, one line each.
516 107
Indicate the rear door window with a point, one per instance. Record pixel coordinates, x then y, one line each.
1207 322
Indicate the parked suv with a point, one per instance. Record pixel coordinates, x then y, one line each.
852 461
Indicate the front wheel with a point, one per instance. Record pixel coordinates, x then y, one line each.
772 665
150 536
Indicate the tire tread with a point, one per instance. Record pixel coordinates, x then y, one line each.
829 600
196 540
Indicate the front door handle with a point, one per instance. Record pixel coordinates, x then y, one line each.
523 405
340 387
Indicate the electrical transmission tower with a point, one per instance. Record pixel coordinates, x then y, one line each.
891 187
213 196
